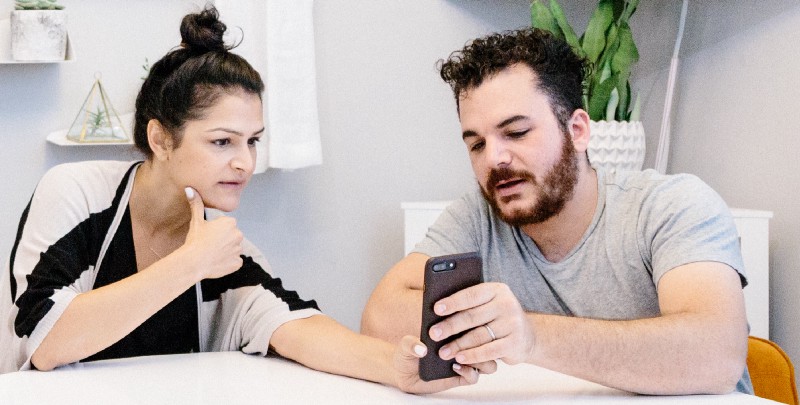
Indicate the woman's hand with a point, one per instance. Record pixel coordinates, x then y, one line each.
215 244
406 365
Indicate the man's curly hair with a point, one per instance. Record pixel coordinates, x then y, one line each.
559 70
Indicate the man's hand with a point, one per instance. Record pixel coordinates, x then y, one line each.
492 305
217 244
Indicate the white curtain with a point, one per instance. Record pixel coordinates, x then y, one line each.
277 38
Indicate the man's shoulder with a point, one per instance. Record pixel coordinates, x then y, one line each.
649 179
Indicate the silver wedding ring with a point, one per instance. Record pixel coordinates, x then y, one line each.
491 332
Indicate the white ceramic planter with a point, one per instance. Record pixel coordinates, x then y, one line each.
617 145
38 35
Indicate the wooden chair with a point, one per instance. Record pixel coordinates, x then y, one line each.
771 371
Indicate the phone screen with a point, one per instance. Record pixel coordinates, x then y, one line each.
444 276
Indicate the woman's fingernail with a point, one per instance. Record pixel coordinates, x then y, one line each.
460 358
444 352
189 192
436 332
420 350
440 308
456 366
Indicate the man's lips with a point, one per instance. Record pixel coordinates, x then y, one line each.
508 187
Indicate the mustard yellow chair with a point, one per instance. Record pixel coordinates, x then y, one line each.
771 371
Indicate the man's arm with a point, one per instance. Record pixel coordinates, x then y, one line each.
697 345
395 307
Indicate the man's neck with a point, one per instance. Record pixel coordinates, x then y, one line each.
557 236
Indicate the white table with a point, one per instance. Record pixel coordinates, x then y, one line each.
237 378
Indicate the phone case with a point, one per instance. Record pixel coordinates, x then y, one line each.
444 276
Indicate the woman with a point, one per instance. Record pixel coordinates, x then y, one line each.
118 259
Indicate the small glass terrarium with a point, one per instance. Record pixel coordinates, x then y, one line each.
97 121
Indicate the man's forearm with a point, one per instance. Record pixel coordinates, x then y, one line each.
676 354
395 307
393 315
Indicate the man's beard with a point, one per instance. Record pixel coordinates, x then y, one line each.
553 193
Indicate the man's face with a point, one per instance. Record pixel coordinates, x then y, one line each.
525 164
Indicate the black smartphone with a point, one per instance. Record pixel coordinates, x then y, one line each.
444 276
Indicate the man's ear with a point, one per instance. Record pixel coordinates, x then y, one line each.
578 127
159 140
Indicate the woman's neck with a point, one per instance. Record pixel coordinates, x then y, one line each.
157 205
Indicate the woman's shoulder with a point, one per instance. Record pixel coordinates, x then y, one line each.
87 174
91 169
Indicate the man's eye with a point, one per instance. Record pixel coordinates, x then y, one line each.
222 142
477 146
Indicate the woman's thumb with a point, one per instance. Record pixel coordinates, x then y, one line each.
195 204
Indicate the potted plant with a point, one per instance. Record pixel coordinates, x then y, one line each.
38 31
617 141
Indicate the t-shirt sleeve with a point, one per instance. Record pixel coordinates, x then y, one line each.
686 221
455 231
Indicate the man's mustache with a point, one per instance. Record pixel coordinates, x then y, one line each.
498 175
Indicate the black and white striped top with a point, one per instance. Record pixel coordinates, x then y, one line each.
75 235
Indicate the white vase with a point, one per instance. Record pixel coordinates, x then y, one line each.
617 145
38 35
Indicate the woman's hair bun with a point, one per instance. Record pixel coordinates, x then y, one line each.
202 32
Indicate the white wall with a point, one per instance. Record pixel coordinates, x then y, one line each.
390 133
388 123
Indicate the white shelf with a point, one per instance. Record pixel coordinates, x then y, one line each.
5 48
60 137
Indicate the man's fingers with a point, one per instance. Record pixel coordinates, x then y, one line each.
195 204
465 299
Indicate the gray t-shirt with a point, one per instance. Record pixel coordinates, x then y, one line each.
645 224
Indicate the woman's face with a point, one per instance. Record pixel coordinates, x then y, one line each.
217 153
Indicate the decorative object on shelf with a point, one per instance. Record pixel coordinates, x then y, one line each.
38 31
608 45
97 121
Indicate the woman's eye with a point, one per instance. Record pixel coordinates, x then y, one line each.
222 142
518 134
253 141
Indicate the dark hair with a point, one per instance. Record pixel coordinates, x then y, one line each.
559 70
190 79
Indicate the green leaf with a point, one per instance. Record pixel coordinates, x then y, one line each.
626 54
624 90
611 107
612 43
637 108
594 39
543 19
630 7
598 101
566 29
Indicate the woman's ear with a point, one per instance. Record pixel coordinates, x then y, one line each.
578 127
159 140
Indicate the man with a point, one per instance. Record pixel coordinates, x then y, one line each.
632 280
